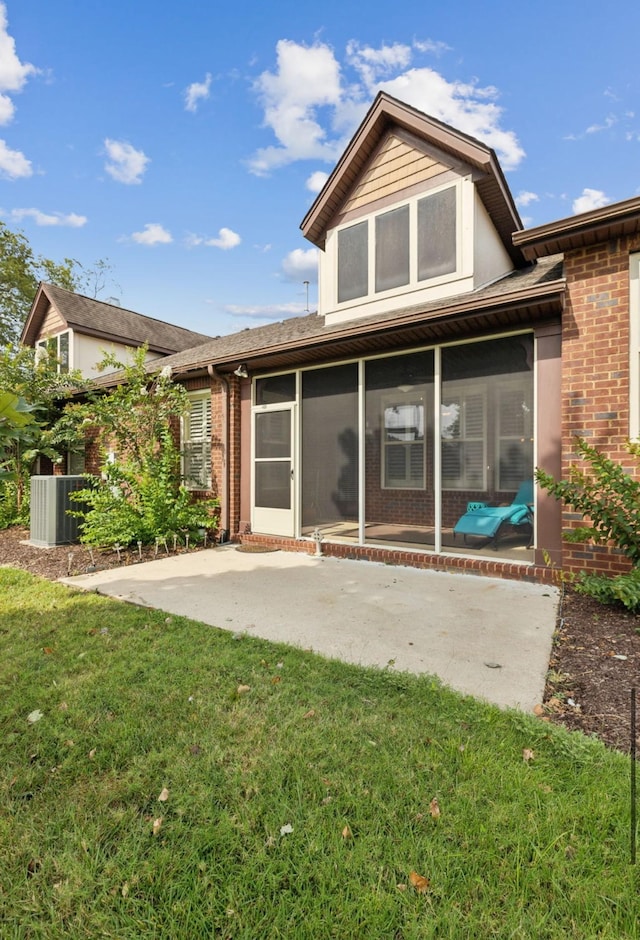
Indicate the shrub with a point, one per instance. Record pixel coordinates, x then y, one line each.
609 500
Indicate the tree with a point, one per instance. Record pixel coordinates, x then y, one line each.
35 383
20 273
140 495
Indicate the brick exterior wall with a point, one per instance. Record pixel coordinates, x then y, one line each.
595 374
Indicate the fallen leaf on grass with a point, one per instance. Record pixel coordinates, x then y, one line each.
419 882
434 807
47 650
157 825
92 753
276 679
124 890
527 755
34 716
310 713
346 833
242 689
401 887
164 795
286 830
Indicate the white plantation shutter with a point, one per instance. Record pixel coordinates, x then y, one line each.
196 443
515 436
463 441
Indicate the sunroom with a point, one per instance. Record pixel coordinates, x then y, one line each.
392 449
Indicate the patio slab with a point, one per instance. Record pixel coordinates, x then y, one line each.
486 637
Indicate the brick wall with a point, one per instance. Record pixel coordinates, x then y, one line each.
595 373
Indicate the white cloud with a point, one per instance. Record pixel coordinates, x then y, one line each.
13 164
267 312
307 78
590 199
152 234
312 109
300 265
126 164
525 198
225 239
431 45
196 92
372 64
316 181
13 72
464 105
71 219
608 122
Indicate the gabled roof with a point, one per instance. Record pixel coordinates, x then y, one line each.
107 321
386 113
580 231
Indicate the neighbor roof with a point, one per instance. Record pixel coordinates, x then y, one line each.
107 321
386 113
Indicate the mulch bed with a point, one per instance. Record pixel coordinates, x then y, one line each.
595 659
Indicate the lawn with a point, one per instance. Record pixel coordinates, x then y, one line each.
160 778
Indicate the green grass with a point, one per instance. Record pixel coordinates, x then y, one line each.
134 701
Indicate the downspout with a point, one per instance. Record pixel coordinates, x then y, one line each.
225 518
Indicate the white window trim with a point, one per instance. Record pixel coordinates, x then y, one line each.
634 346
414 397
43 343
201 395
464 390
414 284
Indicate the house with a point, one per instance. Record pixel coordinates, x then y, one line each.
452 353
78 331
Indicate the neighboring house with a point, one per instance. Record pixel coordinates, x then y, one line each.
451 354
78 331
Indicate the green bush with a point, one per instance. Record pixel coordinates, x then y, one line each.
609 500
140 495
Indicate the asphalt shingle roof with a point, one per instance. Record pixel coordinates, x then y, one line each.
125 326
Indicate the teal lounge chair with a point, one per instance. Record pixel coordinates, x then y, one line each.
487 521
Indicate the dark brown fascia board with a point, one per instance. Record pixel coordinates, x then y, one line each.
529 296
36 312
386 112
564 234
130 342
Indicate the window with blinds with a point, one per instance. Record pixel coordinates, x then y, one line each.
196 442
404 442
463 433
515 436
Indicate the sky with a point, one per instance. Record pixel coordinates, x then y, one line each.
183 144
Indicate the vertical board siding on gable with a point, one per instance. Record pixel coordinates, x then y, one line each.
396 167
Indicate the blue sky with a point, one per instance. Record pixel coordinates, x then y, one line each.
184 144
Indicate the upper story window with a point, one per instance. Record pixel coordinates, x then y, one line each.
407 245
58 348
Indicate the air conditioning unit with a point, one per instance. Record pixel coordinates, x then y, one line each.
50 523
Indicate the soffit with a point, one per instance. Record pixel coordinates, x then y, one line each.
581 231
